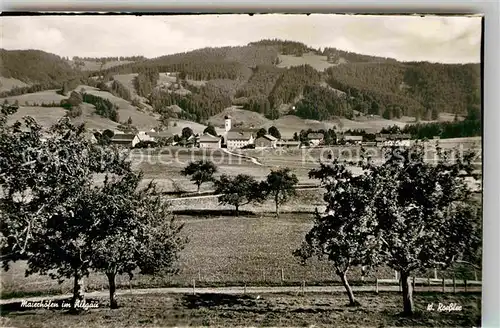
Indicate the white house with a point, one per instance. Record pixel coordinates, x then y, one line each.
315 138
238 139
125 140
209 141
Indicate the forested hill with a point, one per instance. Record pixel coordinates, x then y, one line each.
34 66
276 77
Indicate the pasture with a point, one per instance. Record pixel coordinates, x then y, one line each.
47 97
274 310
92 65
255 249
316 61
7 84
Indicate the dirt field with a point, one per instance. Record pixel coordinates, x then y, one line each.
275 310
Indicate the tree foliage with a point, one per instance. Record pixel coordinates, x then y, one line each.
280 184
238 191
200 171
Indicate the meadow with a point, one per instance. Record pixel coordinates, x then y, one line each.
275 310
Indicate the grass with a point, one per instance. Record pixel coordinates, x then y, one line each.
47 96
317 62
45 116
7 84
276 310
223 251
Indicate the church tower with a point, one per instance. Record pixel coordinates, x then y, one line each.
227 123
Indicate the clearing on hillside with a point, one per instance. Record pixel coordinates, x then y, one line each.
42 97
91 65
45 116
240 118
141 120
7 84
317 62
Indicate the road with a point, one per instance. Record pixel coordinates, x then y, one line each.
238 290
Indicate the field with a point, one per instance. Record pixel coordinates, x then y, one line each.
95 65
7 84
275 310
141 120
317 62
47 96
45 116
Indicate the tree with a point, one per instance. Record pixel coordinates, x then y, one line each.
274 132
132 229
424 212
187 132
238 191
210 129
280 184
262 132
295 136
200 172
129 121
44 228
345 234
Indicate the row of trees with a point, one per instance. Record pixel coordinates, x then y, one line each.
405 213
62 224
244 189
103 107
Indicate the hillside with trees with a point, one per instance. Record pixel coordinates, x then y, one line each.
34 66
206 81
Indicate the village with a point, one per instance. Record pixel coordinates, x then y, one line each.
251 138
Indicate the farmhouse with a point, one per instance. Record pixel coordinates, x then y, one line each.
128 140
266 141
238 139
315 138
288 143
355 140
399 139
209 141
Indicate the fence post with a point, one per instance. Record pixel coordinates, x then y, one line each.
475 274
303 287
454 285
465 285
282 275
443 284
376 285
435 273
194 286
199 275
264 275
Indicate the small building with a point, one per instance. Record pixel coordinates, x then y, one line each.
209 141
238 139
315 138
396 139
266 141
127 140
288 143
353 140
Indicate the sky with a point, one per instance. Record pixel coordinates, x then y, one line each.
442 39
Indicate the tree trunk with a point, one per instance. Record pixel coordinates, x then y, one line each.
237 210
350 294
198 185
277 206
407 293
78 290
112 290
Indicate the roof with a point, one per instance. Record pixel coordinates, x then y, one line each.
383 136
270 137
289 142
315 136
238 135
208 138
161 134
123 137
355 138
